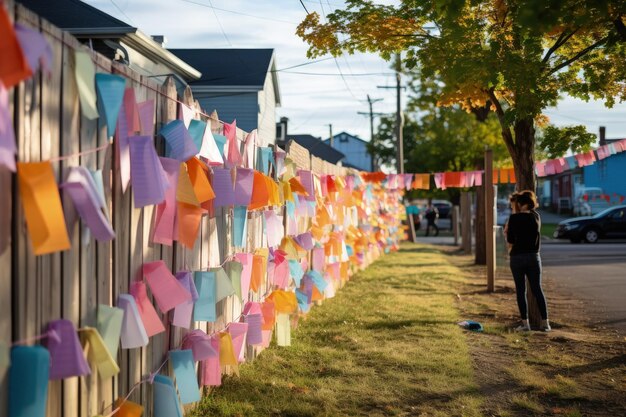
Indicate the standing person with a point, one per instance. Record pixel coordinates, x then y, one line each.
431 219
524 234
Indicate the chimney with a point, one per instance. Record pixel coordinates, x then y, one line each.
160 39
283 128
602 135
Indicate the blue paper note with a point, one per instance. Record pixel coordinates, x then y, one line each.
179 143
318 280
110 90
186 379
303 301
296 272
204 308
28 381
220 141
165 400
571 162
265 157
240 222
110 327
196 131
290 208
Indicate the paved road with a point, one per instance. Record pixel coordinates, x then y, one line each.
595 273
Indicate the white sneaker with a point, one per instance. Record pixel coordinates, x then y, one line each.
545 326
524 327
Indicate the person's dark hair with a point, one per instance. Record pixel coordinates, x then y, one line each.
527 198
513 197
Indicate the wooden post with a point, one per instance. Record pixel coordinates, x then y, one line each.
455 224
466 222
489 220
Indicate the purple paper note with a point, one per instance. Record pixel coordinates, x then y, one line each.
306 179
305 240
146 117
255 329
238 333
243 186
165 218
81 188
200 344
223 188
167 291
184 311
8 148
147 174
180 144
35 47
66 354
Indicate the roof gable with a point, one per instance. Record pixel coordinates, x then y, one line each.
317 147
74 14
350 137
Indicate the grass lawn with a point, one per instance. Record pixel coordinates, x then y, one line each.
548 230
387 344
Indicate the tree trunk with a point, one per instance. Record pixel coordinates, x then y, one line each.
479 228
523 162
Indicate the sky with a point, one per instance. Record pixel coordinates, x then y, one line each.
315 95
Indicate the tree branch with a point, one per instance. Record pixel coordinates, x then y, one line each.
507 135
579 55
559 42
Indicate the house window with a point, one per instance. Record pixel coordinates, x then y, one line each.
343 138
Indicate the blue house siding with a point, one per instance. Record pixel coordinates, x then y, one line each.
355 150
608 174
243 107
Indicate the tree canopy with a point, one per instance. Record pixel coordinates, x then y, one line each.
516 57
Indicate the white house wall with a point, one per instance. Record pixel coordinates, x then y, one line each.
267 113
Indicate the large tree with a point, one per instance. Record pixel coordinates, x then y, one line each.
513 57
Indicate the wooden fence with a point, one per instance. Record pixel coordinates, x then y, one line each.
37 289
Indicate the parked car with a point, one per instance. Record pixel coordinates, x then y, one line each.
503 208
610 223
444 207
589 201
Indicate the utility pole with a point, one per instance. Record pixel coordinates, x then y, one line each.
399 117
331 138
371 115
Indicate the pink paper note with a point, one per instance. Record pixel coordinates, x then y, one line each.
131 111
252 307
149 317
164 219
281 274
183 312
246 273
166 290
478 178
273 228
147 176
133 333
238 333
267 338
255 333
146 117
223 188
122 148
211 369
8 148
318 259
200 344
233 156
66 354
243 186
306 179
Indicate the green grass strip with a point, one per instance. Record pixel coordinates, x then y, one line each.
387 344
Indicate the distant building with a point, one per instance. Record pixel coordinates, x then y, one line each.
315 145
608 173
355 150
116 40
240 84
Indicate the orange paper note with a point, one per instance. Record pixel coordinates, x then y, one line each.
188 219
260 193
42 207
201 185
13 65
128 408
259 265
269 315
285 301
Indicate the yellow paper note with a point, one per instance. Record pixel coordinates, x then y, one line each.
99 355
42 207
184 191
227 354
283 330
85 74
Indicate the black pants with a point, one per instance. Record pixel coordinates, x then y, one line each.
432 224
528 265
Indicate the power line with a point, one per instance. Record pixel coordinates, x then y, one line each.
361 74
239 13
220 24
122 11
305 9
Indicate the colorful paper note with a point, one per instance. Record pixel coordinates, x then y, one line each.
186 114
146 117
268 309
254 335
110 327
233 156
259 272
233 270
204 307
186 380
166 290
296 272
265 157
211 369
179 143
274 229
85 73
240 222
66 355
133 333
83 192
14 65
199 180
238 333
8 148
165 217
220 142
196 131
246 260
224 287
243 186
35 48
122 148
128 408
131 112
110 90
318 259
147 175
42 207
200 344
98 354
284 301
149 317
184 311
260 192
283 330
165 399
305 240
227 352
28 380
188 219
209 149
223 187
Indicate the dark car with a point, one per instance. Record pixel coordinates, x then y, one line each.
610 223
444 207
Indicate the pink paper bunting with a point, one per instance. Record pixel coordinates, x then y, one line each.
167 291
